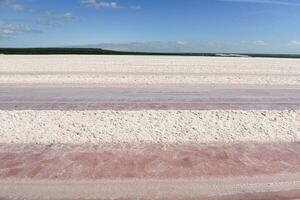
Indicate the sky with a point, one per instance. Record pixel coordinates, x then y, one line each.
224 26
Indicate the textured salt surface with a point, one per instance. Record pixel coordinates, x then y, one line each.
146 126
155 64
148 70
241 171
100 79
88 162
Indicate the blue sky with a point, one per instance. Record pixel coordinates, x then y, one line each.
248 26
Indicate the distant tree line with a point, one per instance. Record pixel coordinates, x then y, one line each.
98 51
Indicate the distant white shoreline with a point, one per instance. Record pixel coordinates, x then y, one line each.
232 55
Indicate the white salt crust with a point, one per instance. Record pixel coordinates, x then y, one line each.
159 127
101 70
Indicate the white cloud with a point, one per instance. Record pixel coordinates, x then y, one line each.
182 42
100 4
47 22
294 43
136 7
8 29
260 43
249 43
10 4
60 16
276 2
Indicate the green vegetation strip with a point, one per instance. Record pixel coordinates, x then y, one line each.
98 51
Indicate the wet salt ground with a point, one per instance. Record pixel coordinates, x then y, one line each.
144 190
140 190
139 106
155 98
241 171
63 162
285 195
147 162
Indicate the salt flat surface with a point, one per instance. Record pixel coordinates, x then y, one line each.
147 161
149 94
272 81
245 112
147 98
154 64
158 127
174 189
100 70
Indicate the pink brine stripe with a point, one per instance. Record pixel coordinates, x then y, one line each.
138 106
86 162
